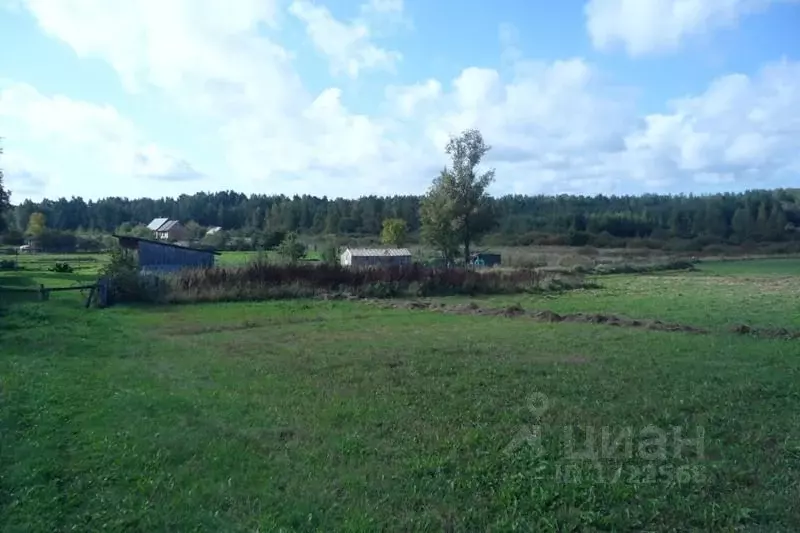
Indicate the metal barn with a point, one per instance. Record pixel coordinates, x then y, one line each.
159 256
372 257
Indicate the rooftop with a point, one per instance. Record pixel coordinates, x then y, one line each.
168 225
157 223
379 252
127 241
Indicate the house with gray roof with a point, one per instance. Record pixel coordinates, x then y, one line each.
165 229
375 257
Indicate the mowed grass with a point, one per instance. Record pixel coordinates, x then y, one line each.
770 267
244 257
35 268
340 416
720 295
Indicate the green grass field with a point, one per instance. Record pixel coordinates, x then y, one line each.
86 264
345 416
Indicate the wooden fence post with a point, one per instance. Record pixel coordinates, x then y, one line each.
89 298
44 294
102 292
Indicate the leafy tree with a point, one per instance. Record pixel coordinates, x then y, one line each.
330 254
4 199
269 240
437 222
741 223
291 248
521 220
193 230
37 225
13 237
126 228
215 240
394 232
461 194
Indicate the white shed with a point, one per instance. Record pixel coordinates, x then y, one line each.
358 257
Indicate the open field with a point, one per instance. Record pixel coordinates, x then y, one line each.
347 416
719 295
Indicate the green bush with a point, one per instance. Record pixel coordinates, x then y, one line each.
330 255
126 284
62 268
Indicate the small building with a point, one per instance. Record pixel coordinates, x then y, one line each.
484 259
160 256
165 229
367 257
213 230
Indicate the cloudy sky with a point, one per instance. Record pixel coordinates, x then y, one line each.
340 98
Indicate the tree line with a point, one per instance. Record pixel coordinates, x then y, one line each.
454 213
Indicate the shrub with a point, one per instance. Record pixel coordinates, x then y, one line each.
291 249
575 261
125 282
7 264
262 280
62 268
330 255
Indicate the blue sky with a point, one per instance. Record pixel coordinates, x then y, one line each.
348 98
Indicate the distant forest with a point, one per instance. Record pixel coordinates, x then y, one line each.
759 216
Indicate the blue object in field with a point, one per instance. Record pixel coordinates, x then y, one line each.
486 259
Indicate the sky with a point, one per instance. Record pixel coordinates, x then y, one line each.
153 98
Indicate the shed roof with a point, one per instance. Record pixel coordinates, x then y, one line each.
129 241
156 223
379 252
168 225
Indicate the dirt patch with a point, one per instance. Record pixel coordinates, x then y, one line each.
613 320
200 329
544 315
765 333
184 330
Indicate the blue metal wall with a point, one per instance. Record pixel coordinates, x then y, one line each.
154 257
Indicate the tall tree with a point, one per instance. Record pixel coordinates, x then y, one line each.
4 199
394 232
37 224
461 191
437 223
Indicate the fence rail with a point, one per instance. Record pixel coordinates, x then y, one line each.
100 288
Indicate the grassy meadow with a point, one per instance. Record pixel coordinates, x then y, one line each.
310 415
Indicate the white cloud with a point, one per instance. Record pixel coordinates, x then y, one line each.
347 46
23 177
555 126
409 100
655 26
80 131
223 66
382 6
740 125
